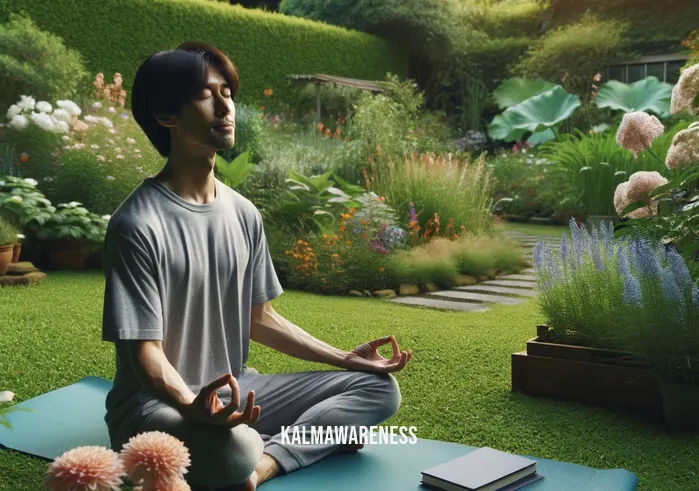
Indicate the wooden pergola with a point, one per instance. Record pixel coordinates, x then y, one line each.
320 79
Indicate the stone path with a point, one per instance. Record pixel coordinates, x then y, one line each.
510 289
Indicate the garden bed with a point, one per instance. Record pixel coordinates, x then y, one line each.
604 378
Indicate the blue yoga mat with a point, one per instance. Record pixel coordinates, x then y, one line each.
73 416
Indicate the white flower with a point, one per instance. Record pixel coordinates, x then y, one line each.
119 156
32 182
110 178
44 107
97 105
111 110
61 127
16 199
112 131
13 111
106 122
70 106
131 141
20 236
66 138
106 217
91 119
26 103
74 204
6 396
94 146
63 115
19 122
43 121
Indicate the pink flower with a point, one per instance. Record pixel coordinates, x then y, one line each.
685 91
642 183
622 199
637 131
88 468
155 459
176 485
684 149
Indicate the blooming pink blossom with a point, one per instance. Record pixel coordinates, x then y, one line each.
685 91
642 183
684 149
155 459
637 131
88 468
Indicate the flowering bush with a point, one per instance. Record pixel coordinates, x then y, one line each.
665 209
97 154
625 293
23 204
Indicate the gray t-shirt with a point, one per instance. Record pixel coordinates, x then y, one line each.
186 274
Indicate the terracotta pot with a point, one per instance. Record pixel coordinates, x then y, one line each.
5 258
16 252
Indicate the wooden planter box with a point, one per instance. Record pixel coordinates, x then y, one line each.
604 378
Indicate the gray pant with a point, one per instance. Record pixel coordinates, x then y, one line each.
221 457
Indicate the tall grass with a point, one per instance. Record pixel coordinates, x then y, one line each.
594 165
625 294
455 190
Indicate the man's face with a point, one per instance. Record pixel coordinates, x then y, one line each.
208 122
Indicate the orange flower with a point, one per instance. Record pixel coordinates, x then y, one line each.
269 92
382 269
262 107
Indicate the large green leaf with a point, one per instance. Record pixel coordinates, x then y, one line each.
538 113
516 90
649 95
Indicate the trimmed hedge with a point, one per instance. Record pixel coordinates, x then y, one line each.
117 35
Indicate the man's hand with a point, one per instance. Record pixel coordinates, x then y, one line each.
366 357
207 408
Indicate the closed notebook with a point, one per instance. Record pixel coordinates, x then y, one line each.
484 469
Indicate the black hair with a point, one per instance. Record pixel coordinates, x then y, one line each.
167 80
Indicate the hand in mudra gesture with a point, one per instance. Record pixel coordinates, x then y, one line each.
207 407
366 357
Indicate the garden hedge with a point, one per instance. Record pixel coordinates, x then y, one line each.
117 35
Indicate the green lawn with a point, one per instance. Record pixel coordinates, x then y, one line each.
456 388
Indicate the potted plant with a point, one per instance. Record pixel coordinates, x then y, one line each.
71 235
8 239
622 325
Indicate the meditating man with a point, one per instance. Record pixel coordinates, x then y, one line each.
189 280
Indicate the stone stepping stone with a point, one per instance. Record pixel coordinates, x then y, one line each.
512 283
477 297
503 290
436 303
520 277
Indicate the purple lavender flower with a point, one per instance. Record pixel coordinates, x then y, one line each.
679 270
595 247
565 247
575 233
672 289
411 213
540 250
632 290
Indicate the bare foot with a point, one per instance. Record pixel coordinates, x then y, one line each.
251 483
266 468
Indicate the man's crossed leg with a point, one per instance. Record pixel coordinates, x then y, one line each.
223 457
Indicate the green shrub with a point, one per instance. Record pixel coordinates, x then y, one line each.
265 47
573 53
34 61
